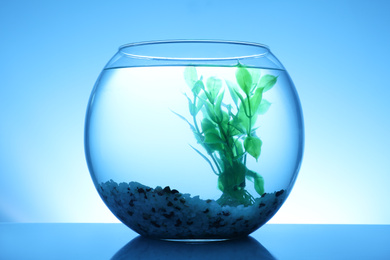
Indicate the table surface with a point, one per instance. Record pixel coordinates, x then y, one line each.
116 241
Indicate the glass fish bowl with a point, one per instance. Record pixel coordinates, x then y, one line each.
194 139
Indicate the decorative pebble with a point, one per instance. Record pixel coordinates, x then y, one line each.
167 213
277 194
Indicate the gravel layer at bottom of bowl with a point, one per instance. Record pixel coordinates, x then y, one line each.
168 214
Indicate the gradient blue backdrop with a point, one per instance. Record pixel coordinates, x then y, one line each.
337 53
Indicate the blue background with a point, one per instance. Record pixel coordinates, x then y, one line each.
337 53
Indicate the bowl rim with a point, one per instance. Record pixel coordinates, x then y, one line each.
257 46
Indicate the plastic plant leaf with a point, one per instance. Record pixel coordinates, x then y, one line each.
245 122
239 151
191 106
252 145
224 125
255 101
244 117
253 122
225 117
238 123
233 89
198 86
221 180
255 73
199 106
267 82
216 147
220 163
244 80
198 137
218 108
210 112
236 128
258 181
204 157
209 97
213 86
243 107
212 138
259 185
207 125
190 76
264 106
182 117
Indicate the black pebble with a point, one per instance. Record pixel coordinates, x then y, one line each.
167 189
277 194
261 205
178 223
174 191
155 224
170 215
206 211
170 204
217 223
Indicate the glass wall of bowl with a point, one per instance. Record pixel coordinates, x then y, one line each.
194 139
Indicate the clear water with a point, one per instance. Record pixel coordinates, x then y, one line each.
133 133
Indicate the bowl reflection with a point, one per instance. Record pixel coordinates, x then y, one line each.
145 248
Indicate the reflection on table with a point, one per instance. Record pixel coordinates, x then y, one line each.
105 241
145 248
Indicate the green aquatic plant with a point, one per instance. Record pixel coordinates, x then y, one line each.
226 132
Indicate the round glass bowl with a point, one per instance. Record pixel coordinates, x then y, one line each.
194 139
